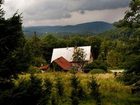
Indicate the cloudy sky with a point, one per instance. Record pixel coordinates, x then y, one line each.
66 12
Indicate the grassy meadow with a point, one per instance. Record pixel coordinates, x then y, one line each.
112 91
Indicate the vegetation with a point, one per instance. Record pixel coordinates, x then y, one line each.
104 89
79 57
14 52
114 49
94 88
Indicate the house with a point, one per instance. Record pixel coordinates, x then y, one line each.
66 56
68 52
61 64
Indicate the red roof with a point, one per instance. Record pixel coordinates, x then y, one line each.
63 63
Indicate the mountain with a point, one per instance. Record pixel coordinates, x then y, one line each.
91 27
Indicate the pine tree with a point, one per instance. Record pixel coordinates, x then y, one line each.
13 59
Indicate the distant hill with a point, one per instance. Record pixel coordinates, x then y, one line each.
91 27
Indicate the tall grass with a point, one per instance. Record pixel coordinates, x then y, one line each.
113 92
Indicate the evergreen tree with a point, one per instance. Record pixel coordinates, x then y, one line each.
132 16
74 93
47 93
131 21
94 88
1 11
13 58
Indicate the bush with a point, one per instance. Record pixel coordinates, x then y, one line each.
96 65
73 71
59 87
35 90
94 91
130 78
74 93
132 64
38 61
47 93
33 70
26 92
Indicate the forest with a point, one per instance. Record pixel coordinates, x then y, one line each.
23 84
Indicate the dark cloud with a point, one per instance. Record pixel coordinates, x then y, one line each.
60 9
57 9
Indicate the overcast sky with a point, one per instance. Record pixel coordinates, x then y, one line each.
66 12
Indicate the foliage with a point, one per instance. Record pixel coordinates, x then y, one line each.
13 53
132 64
96 64
74 93
35 90
132 21
132 16
77 41
94 87
113 58
95 43
60 87
49 42
108 89
38 61
33 70
23 93
1 11
35 45
47 93
79 57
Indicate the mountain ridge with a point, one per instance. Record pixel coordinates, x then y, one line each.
89 27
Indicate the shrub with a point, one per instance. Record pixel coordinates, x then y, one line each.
47 93
96 65
73 71
132 64
130 78
74 93
94 88
34 90
81 93
33 70
20 93
26 92
59 87
38 61
58 98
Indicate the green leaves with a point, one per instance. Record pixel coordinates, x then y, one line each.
132 16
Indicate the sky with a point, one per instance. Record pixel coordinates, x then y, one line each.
66 12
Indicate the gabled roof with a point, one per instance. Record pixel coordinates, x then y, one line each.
63 63
68 52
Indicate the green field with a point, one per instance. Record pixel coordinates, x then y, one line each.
113 91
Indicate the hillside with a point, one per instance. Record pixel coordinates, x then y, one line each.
91 27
